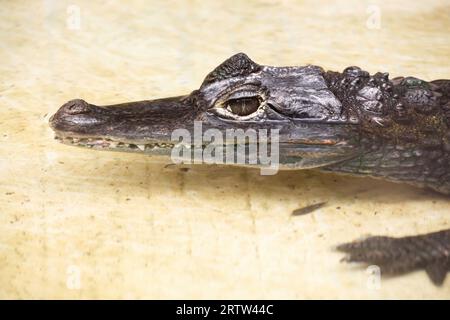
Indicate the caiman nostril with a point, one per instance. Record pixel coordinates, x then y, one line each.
76 106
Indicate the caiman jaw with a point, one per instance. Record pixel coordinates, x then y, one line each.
111 144
143 126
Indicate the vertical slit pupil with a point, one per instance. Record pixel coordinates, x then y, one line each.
243 106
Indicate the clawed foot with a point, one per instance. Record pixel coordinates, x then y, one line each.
397 256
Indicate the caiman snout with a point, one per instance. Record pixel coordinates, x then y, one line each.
75 115
149 120
69 109
76 106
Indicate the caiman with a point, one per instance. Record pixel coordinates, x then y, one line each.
351 122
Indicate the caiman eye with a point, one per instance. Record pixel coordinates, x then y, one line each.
243 106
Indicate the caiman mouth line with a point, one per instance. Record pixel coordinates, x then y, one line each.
110 144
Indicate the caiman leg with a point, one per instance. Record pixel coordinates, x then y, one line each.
402 255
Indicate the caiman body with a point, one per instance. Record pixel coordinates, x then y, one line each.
350 122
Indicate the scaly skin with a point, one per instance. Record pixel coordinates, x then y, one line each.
349 122
404 127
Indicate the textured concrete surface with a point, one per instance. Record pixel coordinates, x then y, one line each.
76 223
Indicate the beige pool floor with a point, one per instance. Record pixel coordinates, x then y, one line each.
76 223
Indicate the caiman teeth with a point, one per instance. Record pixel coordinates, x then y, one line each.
111 144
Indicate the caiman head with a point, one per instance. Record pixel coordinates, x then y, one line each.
313 128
